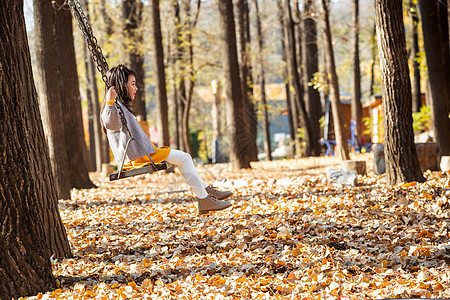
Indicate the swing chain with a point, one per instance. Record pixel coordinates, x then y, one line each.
91 40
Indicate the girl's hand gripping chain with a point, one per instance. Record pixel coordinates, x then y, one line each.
111 95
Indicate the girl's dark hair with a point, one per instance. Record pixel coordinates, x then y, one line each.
118 77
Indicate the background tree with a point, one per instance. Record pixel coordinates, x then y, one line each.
292 127
235 119
356 97
178 87
436 43
73 126
189 79
298 102
51 97
402 164
311 67
416 92
160 77
132 16
262 84
31 226
341 143
95 132
247 78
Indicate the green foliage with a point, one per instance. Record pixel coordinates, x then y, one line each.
422 119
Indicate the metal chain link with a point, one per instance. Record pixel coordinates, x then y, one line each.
91 40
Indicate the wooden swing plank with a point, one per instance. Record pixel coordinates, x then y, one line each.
139 171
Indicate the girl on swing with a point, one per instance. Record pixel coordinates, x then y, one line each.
122 82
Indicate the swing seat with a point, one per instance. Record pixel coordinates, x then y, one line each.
138 171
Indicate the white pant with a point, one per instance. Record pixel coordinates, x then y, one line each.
186 166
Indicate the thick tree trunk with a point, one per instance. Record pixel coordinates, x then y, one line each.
356 99
31 228
262 83
435 35
416 93
341 143
310 67
402 164
247 79
300 106
51 98
236 131
73 125
132 16
160 77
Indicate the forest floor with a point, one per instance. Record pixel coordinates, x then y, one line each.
288 235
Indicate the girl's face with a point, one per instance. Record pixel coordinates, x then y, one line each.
131 86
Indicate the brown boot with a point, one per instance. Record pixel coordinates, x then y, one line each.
218 194
211 203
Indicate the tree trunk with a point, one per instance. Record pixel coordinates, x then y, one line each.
31 225
95 132
266 124
132 16
73 125
402 164
292 129
51 98
160 77
293 71
190 78
416 93
174 61
341 143
247 79
356 99
310 67
435 35
373 60
236 131
107 27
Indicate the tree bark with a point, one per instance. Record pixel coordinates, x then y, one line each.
435 35
310 67
292 129
191 74
356 99
247 79
373 60
341 143
73 125
416 92
31 226
132 16
236 131
174 61
95 132
300 106
402 164
262 83
51 98
160 77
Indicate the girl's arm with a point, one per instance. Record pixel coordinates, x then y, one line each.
110 115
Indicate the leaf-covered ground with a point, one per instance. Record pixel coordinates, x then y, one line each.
288 235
